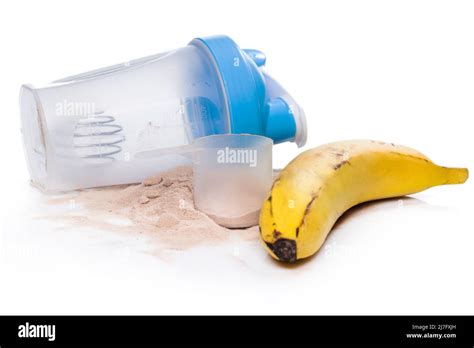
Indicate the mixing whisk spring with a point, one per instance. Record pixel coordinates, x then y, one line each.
96 138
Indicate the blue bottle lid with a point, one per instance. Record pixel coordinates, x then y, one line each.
256 103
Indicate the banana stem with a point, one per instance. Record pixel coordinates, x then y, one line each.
456 175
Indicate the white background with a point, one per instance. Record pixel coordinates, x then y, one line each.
398 71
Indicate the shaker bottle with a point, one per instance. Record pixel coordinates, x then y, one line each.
85 130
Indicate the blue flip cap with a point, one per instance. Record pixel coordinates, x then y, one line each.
256 103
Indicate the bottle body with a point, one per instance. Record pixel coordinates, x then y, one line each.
84 131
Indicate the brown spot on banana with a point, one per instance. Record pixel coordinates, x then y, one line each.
314 196
284 249
340 164
269 199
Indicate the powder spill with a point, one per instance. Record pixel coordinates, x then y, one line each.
162 208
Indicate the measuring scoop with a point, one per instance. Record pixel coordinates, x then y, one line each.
232 176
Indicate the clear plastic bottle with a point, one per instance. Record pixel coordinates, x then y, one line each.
85 130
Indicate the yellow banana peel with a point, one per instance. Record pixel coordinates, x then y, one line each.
320 184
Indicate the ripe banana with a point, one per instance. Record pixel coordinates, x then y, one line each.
320 184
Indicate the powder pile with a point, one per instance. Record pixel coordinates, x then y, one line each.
161 207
